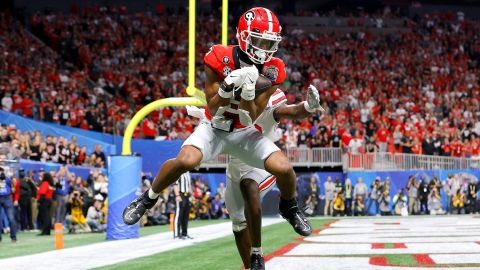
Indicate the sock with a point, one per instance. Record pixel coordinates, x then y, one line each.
288 203
152 195
257 250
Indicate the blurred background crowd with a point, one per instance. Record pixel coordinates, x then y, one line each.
413 90
35 200
456 194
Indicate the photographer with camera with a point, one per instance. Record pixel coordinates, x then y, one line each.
76 220
6 189
375 194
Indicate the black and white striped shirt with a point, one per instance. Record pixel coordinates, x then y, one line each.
184 183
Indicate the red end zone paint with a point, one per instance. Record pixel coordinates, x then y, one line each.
379 261
399 245
287 248
281 251
378 245
423 259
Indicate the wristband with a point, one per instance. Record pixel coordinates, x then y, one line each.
224 92
308 108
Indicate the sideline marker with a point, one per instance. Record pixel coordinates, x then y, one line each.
58 236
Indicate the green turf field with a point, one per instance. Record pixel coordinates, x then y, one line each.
30 243
215 254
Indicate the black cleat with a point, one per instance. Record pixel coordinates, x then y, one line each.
257 262
289 211
136 209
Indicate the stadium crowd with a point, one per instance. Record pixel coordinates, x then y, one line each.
35 200
412 90
32 145
457 194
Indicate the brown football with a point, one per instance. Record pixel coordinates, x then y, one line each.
262 84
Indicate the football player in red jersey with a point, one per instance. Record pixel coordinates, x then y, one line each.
231 75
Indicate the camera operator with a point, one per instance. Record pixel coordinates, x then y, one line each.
95 215
375 194
76 220
6 190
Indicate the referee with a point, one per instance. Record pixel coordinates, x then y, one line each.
182 190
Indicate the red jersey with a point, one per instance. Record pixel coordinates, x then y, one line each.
382 135
149 128
475 148
45 190
225 59
457 149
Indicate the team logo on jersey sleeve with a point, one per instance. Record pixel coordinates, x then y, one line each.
271 72
226 71
226 60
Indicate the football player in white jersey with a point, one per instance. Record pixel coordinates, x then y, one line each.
246 184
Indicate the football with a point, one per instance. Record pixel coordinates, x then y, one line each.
262 84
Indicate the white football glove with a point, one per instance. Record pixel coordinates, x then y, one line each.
236 77
312 103
248 88
233 81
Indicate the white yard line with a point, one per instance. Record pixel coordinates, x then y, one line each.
446 240
112 252
381 238
366 249
338 263
455 259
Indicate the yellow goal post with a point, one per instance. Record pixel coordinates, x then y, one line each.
197 96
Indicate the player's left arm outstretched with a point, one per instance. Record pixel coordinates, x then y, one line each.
300 110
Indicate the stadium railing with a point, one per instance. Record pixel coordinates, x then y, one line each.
400 161
299 157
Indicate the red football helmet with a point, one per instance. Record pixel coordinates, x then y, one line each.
258 34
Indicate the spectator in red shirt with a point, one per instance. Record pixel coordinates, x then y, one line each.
382 138
44 197
458 148
149 128
446 148
27 106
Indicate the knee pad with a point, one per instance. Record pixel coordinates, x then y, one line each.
239 225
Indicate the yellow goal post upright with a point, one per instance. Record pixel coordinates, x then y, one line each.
124 171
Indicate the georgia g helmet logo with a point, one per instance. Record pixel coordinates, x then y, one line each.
249 16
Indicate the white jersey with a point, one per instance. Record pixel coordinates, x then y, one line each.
238 170
266 120
267 124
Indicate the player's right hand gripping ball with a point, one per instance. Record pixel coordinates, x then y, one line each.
248 88
235 78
